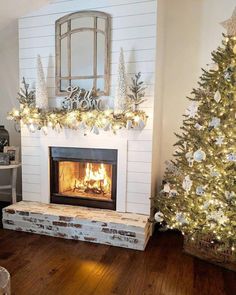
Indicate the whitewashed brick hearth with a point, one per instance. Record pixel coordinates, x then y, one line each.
79 223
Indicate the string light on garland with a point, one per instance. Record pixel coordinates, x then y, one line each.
72 119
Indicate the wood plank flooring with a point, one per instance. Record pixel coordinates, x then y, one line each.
41 265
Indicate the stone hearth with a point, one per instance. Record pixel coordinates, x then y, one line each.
108 227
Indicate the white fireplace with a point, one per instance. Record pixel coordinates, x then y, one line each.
134 155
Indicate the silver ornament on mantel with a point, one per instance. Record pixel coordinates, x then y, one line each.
95 130
129 124
199 155
107 127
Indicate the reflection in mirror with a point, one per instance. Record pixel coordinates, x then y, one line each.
101 24
100 53
100 84
64 54
64 28
82 22
83 83
64 84
82 51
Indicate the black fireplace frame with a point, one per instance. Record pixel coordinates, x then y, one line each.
106 156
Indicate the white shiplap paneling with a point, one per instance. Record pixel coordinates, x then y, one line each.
134 29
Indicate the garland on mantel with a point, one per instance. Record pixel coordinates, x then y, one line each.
78 119
38 119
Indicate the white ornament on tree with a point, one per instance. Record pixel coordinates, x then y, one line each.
214 66
200 191
199 155
217 96
181 218
229 195
187 183
120 100
231 157
189 157
234 49
41 94
159 216
198 126
166 188
192 110
215 122
219 140
218 216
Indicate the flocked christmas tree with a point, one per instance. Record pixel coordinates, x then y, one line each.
199 193
120 101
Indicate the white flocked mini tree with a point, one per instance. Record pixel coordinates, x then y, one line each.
41 94
120 100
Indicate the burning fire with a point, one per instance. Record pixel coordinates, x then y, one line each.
85 180
95 181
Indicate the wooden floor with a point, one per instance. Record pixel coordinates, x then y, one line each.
41 265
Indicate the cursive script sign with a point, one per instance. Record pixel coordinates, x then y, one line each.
80 99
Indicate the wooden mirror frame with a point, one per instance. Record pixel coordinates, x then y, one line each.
107 32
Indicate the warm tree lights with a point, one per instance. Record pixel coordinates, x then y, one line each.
199 195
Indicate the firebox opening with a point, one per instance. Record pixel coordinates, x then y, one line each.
83 177
85 180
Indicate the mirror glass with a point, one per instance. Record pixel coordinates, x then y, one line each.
101 24
64 54
82 63
64 28
82 22
83 83
100 53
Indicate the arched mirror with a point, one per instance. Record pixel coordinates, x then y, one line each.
83 51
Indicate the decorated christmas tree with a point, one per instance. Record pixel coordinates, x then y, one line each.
199 190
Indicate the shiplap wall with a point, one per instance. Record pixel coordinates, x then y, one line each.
134 29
